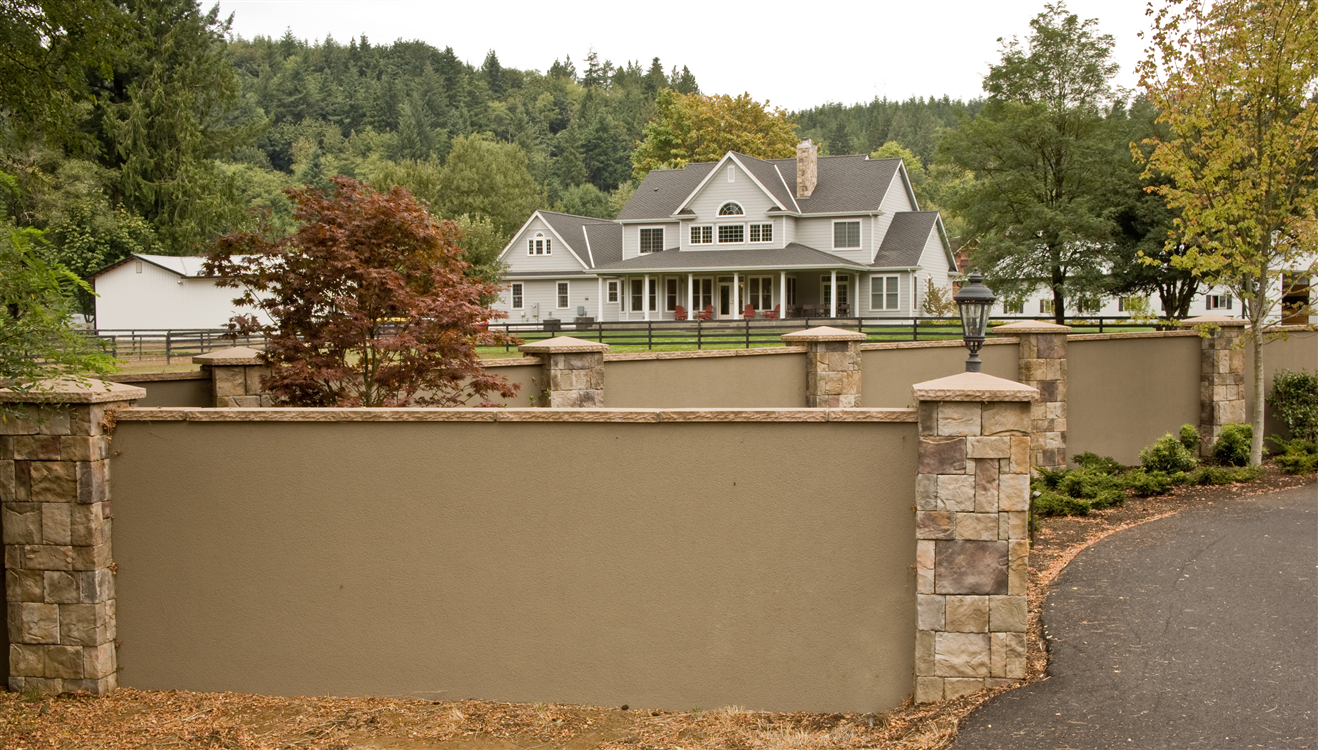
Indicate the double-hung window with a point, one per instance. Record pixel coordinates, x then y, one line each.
702 235
761 233
1045 307
652 239
612 287
1013 307
731 233
761 292
517 296
883 292
1218 301
538 245
638 294
670 294
562 295
846 235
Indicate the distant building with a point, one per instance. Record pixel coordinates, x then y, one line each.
162 291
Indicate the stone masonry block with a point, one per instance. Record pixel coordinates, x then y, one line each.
967 614
229 381
85 419
1018 557
956 687
986 486
1033 370
27 660
55 523
1014 492
988 447
91 558
928 417
1013 525
1051 345
64 662
925 642
46 557
93 481
924 566
84 624
1007 655
982 526
27 585
1007 614
926 492
87 524
1002 417
956 492
21 523
95 586
971 567
60 587
37 623
930 612
928 689
958 418
942 455
1020 456
53 481
961 655
252 377
98 661
934 524
37 448
8 492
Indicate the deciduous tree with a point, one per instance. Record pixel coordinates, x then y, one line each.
694 128
1237 83
369 302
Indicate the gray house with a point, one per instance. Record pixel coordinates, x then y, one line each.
832 236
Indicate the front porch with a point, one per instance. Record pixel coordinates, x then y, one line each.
736 295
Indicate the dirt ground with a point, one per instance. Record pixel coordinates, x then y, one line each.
142 719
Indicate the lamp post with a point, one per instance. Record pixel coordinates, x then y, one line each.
974 300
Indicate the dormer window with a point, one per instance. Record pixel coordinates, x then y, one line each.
538 245
730 209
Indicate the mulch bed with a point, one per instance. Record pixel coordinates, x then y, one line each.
175 719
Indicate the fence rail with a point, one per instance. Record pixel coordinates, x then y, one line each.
169 344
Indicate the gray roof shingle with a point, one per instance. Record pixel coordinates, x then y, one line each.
795 255
663 190
905 240
572 229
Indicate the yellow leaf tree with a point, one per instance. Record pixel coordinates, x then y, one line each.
694 127
1236 82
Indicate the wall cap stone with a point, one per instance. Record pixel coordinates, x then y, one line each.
234 356
823 333
511 362
973 386
954 344
1032 326
1181 332
563 345
73 391
702 354
156 377
1217 320
516 414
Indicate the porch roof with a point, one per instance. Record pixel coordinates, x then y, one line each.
795 255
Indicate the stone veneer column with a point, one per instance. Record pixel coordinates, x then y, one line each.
972 531
55 497
833 362
236 375
1221 376
573 372
1043 366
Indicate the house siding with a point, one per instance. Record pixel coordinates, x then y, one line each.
818 233
544 292
559 259
894 202
631 236
718 191
903 294
158 299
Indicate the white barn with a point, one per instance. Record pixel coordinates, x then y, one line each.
146 292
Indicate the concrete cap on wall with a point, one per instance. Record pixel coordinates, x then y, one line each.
73 391
236 355
563 345
1031 326
973 386
823 333
1217 320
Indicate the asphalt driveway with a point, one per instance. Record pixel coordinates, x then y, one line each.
1199 630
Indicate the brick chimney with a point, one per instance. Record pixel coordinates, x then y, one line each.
807 168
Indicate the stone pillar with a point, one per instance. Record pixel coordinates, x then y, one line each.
1043 366
972 534
1221 376
833 362
573 372
236 375
54 494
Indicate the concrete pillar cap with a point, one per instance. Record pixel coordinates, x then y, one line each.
1217 320
973 386
1031 326
72 391
562 345
233 356
823 333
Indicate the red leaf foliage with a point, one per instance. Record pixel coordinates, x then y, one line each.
365 304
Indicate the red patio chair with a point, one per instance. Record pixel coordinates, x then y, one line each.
707 313
771 314
748 311
679 313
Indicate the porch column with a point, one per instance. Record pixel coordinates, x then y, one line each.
690 296
1221 376
782 295
645 296
1042 365
599 300
833 360
972 497
573 372
736 297
55 500
832 295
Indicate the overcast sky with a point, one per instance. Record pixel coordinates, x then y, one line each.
795 54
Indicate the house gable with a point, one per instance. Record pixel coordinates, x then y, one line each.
561 257
730 164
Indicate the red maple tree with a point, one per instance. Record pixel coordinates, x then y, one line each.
366 304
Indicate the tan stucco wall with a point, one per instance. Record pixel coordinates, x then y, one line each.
888 374
527 376
669 565
172 389
1125 393
750 380
1298 351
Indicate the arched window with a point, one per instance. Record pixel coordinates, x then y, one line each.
730 209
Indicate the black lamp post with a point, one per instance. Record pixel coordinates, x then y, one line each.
974 300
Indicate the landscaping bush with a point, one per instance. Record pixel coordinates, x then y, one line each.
1169 455
1101 464
1049 503
1190 438
1294 399
1232 447
1147 483
1224 474
1296 456
1090 484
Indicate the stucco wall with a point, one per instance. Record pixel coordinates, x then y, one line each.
888 373
743 381
1123 393
180 389
667 564
1298 351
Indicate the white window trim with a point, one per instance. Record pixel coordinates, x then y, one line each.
761 241
712 234
567 284
732 173
883 278
515 291
640 246
860 233
843 280
539 237
611 292
1217 301
744 233
741 210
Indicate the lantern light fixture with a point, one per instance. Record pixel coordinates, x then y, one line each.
974 301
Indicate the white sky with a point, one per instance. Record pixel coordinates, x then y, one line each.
848 51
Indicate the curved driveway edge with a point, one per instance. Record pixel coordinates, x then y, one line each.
1194 631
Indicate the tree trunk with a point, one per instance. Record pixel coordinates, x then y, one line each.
1260 407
